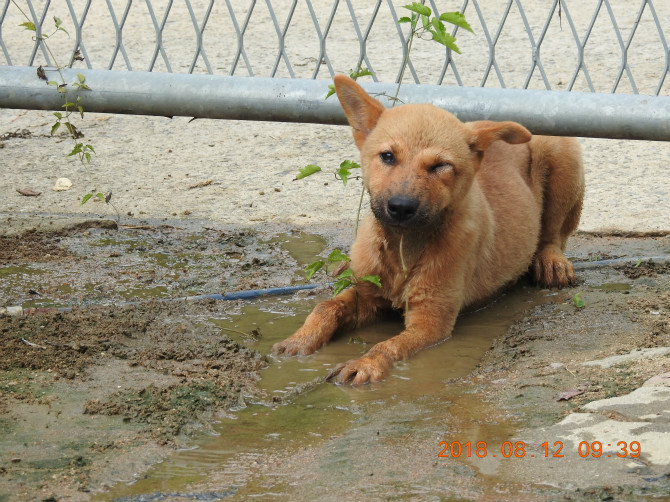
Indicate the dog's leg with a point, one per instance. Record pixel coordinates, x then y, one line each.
352 307
427 323
563 194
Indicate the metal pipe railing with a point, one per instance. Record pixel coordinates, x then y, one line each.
618 116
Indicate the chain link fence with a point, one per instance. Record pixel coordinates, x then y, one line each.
589 45
592 46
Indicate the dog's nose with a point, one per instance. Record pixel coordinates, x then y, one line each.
402 208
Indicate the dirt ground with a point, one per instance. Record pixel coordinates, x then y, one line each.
97 351
85 350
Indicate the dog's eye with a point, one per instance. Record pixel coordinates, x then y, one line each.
387 158
441 166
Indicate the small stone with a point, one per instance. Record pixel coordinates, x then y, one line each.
62 184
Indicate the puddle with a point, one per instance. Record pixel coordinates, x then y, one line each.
304 248
321 411
614 286
20 271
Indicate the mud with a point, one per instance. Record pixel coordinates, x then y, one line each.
110 370
101 352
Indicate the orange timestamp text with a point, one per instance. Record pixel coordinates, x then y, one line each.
519 449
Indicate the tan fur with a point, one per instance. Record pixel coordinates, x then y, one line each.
460 211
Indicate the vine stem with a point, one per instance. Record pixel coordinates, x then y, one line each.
395 100
360 207
404 268
405 62
81 155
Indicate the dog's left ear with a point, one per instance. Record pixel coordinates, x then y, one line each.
362 111
486 132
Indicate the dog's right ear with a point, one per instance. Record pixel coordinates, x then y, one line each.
362 111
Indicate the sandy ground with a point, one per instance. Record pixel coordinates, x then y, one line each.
249 171
150 164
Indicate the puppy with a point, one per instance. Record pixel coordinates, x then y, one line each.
459 210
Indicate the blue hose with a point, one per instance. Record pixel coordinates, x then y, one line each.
252 293
258 293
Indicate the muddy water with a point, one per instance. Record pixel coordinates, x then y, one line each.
319 412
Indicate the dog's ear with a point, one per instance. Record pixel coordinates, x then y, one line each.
362 111
486 132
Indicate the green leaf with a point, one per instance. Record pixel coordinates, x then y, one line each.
81 78
374 279
52 82
340 285
441 36
313 268
58 115
307 171
337 255
73 132
81 111
28 26
85 199
58 23
100 195
361 72
404 19
346 274
425 20
331 91
577 300
457 19
88 157
418 8
89 147
77 147
345 170
54 128
67 105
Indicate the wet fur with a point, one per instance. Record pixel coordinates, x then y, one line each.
491 202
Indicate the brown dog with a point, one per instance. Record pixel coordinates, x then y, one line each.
459 210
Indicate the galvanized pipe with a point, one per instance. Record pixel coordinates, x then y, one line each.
620 116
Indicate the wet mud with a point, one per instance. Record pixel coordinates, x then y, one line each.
113 386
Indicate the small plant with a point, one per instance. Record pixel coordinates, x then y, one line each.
360 72
432 25
578 302
346 277
71 108
342 174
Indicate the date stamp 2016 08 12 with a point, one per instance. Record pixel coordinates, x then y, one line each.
518 449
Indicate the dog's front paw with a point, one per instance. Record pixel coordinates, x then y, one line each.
367 369
297 344
553 270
